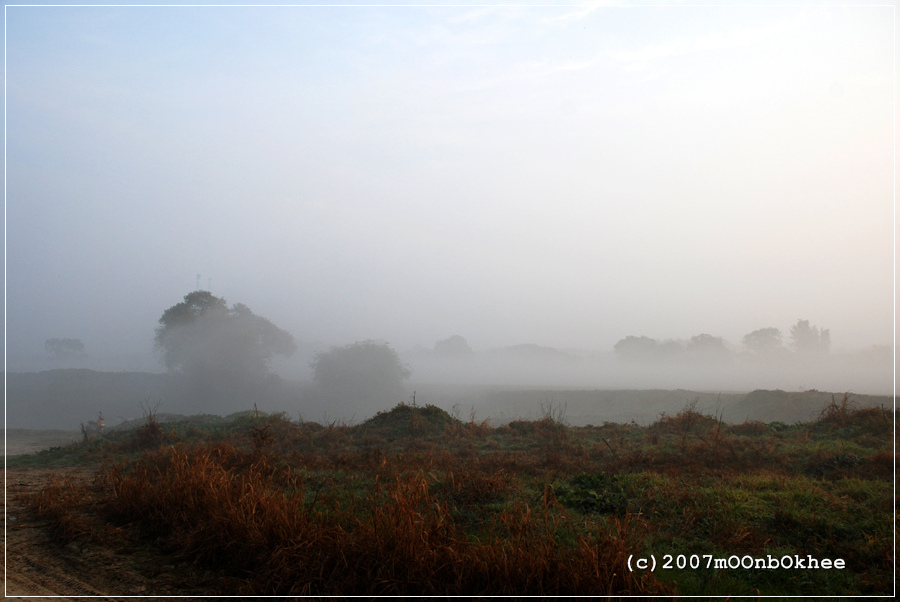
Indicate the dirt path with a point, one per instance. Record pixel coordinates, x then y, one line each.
27 441
37 566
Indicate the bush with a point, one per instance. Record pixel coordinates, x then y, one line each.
364 371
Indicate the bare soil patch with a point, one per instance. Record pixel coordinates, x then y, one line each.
110 566
28 441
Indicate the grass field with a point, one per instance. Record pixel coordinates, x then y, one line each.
416 501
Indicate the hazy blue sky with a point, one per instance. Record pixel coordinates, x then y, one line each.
564 176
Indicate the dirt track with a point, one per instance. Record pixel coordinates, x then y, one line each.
27 441
37 566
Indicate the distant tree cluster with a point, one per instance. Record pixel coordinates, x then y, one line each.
65 349
809 339
707 348
637 348
364 371
455 347
764 343
702 347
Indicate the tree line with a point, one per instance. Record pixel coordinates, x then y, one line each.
764 344
219 348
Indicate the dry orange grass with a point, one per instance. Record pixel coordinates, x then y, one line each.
60 503
255 522
300 509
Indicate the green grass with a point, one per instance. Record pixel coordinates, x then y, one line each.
437 505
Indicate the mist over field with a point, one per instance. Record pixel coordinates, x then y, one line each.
596 197
523 381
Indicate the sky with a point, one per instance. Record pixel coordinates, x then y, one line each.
564 176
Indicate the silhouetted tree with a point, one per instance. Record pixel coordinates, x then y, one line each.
670 350
764 342
363 371
809 339
455 347
636 348
708 348
202 336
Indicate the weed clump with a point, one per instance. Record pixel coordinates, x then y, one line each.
749 428
594 493
837 414
149 435
62 503
846 417
688 420
833 466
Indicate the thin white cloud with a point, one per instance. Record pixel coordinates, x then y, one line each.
540 69
477 14
580 13
636 60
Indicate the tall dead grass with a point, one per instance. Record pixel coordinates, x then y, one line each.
254 520
61 503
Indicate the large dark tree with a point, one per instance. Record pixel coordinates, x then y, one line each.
203 336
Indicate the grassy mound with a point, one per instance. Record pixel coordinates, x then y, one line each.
793 406
405 420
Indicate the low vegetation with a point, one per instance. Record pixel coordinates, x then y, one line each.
416 501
